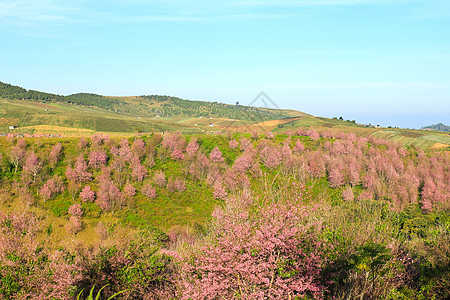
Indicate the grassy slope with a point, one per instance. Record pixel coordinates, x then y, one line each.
76 120
31 116
69 119
149 106
188 209
407 137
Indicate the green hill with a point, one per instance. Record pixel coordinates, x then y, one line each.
149 106
84 114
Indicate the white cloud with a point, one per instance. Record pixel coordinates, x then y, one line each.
323 3
51 12
36 12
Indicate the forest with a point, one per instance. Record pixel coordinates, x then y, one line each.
304 214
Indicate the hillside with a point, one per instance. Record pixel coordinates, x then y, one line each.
437 127
406 137
148 106
84 114
181 216
223 191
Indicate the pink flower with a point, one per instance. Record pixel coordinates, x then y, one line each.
75 210
87 195
149 191
216 155
129 190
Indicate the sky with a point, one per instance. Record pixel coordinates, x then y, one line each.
373 61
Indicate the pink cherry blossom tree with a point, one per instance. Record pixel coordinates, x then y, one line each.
149 191
176 185
139 172
347 194
125 151
271 157
243 163
129 190
138 148
32 164
97 159
335 173
17 154
219 191
109 196
82 143
74 225
80 169
270 256
75 210
55 154
216 155
246 144
299 147
173 141
87 194
233 144
192 147
270 135
160 179
52 187
177 155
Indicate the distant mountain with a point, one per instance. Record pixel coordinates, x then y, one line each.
152 106
437 127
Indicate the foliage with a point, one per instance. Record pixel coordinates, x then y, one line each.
91 294
318 214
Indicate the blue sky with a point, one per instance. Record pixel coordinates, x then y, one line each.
378 61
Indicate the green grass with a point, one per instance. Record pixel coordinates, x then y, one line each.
189 208
27 114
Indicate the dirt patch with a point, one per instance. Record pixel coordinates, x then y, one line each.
44 105
9 121
275 123
58 129
126 97
439 146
